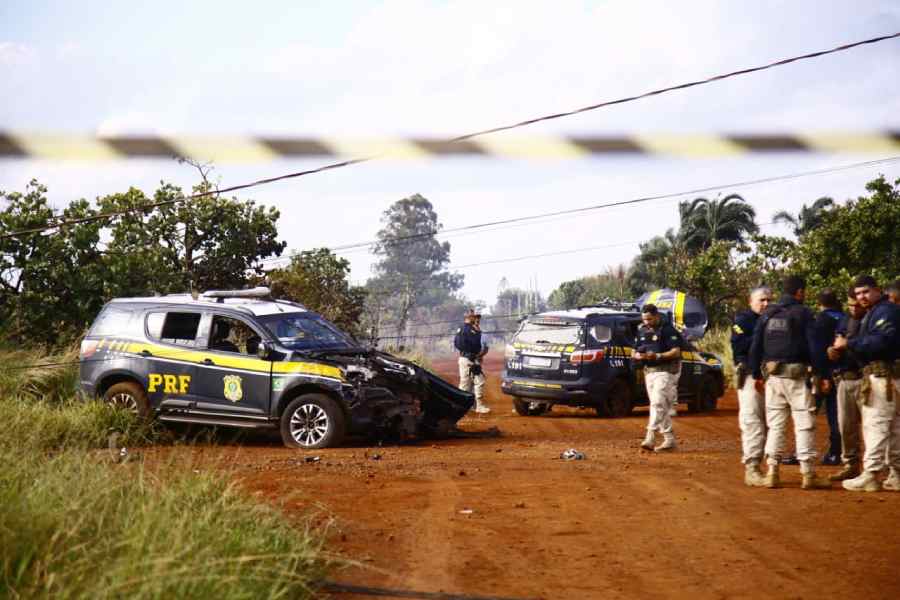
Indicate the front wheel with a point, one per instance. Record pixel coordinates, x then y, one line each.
618 402
529 408
312 421
706 397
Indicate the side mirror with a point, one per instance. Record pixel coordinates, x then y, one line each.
264 350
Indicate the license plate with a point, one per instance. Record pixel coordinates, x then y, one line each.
538 361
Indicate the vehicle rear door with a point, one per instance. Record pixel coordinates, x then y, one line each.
170 359
231 379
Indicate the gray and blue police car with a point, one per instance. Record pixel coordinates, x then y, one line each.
244 359
582 358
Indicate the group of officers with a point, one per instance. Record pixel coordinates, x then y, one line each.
785 357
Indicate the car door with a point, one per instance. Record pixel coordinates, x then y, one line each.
231 379
169 361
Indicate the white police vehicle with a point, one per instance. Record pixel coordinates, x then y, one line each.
244 359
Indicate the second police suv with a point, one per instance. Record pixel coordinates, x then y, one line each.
582 358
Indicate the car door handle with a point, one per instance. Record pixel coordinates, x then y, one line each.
208 361
146 353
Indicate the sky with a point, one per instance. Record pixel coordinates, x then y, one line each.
434 69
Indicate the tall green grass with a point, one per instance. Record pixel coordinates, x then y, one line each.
20 377
74 523
718 341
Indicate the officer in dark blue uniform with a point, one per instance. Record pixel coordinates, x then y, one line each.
751 400
878 348
658 348
830 314
783 350
471 349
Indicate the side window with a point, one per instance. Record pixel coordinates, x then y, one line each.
228 334
628 330
113 320
598 334
174 327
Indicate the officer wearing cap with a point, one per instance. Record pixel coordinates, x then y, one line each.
658 350
471 350
878 348
751 401
784 348
847 373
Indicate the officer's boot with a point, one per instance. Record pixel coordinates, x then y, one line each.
772 479
649 441
866 482
892 483
753 477
811 481
849 471
668 443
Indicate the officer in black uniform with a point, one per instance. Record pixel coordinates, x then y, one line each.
783 350
658 349
751 400
827 319
469 345
846 371
878 348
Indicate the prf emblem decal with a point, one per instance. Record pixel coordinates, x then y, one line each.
233 389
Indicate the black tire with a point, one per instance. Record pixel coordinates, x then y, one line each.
618 402
312 421
130 396
524 408
706 398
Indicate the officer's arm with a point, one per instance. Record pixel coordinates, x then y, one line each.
754 358
675 345
881 334
815 347
741 338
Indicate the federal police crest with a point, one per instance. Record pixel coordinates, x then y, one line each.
233 390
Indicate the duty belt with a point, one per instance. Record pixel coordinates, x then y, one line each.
848 375
668 367
880 368
785 370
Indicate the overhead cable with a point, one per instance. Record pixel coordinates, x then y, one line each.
457 139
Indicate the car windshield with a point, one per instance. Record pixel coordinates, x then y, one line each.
550 333
306 331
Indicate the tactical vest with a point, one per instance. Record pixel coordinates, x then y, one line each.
784 337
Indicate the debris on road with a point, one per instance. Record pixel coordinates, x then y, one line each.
572 454
312 459
466 511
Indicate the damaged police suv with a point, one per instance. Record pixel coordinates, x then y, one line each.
244 359
583 358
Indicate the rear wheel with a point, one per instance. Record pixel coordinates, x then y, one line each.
706 397
618 402
529 408
312 421
130 396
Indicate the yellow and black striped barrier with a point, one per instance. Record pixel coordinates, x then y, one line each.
18 145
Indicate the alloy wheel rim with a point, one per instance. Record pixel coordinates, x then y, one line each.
126 401
309 424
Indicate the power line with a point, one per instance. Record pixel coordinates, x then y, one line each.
457 139
400 240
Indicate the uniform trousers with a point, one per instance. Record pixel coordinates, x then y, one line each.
469 382
662 391
790 397
881 424
848 405
752 419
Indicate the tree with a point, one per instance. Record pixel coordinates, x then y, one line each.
320 280
659 258
612 285
809 217
706 221
854 238
411 270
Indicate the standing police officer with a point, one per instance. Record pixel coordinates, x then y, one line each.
847 373
471 349
878 347
751 401
783 349
830 314
659 348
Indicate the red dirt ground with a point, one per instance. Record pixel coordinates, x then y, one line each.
620 524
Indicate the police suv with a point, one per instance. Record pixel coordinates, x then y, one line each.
583 358
244 359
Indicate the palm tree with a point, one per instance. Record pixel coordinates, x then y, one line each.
808 218
705 221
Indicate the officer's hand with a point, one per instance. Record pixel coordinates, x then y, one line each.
760 385
840 342
650 355
637 356
825 386
833 353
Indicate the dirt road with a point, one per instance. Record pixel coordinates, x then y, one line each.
620 524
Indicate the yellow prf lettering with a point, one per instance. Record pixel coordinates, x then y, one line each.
184 382
170 383
153 383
